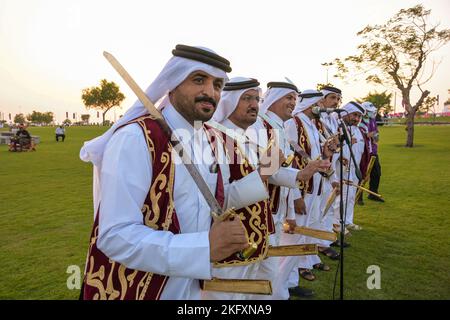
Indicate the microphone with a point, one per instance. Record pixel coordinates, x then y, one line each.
319 110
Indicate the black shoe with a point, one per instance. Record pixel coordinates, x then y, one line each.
373 198
301 292
337 243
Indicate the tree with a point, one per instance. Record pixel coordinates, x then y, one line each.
446 103
85 118
67 122
382 101
396 53
40 117
321 85
429 104
103 97
19 118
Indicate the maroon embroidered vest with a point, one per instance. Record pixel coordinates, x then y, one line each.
255 218
106 279
299 161
274 191
365 158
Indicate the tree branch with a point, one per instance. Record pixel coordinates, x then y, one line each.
421 99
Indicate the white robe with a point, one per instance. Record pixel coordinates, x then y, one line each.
326 222
284 176
288 265
349 192
269 267
126 176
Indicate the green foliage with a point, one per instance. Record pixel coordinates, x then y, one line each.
103 97
85 117
37 117
395 53
428 105
446 103
321 85
380 100
19 118
67 122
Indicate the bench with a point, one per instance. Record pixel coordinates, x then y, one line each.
5 138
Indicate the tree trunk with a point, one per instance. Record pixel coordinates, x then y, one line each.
104 114
411 113
410 129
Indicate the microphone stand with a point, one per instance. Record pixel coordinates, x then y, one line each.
343 137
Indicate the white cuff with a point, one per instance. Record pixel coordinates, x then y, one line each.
286 177
189 255
247 191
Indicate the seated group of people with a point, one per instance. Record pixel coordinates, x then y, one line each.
21 141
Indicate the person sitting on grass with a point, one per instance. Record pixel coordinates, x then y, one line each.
60 132
22 139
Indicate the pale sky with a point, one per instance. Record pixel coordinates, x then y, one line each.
51 49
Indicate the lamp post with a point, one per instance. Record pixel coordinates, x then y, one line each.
327 65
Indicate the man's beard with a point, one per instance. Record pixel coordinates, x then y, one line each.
188 110
206 115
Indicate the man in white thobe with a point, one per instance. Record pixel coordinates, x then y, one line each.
190 85
352 117
237 111
291 266
279 102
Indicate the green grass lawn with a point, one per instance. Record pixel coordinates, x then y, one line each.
46 217
422 120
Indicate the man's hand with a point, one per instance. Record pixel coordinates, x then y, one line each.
345 162
225 238
290 226
312 167
354 140
299 206
330 147
336 186
270 161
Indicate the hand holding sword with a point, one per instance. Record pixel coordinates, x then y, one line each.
222 245
313 166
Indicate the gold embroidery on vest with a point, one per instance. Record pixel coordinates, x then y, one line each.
95 279
110 291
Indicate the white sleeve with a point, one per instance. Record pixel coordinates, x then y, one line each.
291 130
125 181
285 177
244 192
290 201
334 165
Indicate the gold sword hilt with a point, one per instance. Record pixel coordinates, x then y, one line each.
288 161
247 252
251 249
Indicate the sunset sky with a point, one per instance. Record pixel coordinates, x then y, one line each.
50 50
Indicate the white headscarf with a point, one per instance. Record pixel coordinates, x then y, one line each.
327 92
230 99
176 70
368 106
273 95
305 103
350 108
